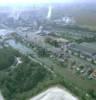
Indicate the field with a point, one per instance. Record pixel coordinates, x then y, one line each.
71 76
90 45
84 15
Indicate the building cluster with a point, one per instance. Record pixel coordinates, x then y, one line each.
84 50
66 20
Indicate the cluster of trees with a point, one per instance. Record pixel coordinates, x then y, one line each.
53 42
92 93
43 52
60 81
7 57
29 78
23 78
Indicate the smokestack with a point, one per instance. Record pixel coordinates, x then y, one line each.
49 12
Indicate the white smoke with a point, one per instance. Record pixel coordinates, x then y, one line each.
49 12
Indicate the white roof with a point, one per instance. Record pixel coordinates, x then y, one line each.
4 32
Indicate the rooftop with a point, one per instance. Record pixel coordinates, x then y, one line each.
84 48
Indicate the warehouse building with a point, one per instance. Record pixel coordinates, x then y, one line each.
84 50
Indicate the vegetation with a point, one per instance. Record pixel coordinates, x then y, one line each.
58 81
53 42
7 56
23 78
85 39
42 52
30 78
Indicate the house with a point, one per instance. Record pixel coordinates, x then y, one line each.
93 74
18 60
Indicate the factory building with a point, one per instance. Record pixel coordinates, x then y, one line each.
84 50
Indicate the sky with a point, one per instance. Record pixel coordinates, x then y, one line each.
15 3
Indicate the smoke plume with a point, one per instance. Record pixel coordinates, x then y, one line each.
49 12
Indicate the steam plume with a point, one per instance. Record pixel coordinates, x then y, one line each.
49 12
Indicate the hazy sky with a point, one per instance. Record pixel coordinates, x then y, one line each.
15 3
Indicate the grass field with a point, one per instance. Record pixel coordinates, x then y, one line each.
70 76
